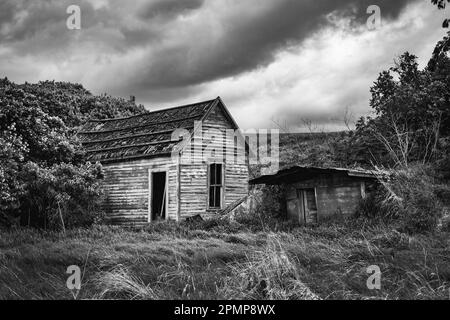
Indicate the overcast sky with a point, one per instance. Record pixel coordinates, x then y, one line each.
271 61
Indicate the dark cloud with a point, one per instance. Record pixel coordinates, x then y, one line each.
245 41
169 8
39 27
167 50
22 20
250 41
7 11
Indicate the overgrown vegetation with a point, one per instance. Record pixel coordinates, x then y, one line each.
407 136
44 181
221 260
412 198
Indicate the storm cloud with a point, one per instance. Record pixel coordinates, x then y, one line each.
170 51
249 39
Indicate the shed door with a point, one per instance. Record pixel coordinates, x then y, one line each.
302 205
295 207
309 205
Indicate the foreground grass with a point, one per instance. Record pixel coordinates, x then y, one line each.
224 261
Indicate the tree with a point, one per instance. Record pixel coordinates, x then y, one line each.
412 114
41 160
61 196
441 4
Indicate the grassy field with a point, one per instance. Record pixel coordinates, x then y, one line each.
223 260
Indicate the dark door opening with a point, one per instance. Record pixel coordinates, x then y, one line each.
309 205
158 196
302 206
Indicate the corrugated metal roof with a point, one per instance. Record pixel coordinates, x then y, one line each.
296 172
138 136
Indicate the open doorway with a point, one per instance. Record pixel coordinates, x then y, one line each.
158 196
302 206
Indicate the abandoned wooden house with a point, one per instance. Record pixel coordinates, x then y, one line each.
315 194
156 164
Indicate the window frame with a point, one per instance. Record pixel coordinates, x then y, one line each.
221 186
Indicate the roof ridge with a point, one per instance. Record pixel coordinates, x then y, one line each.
155 111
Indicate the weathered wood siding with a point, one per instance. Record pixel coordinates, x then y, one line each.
127 190
194 167
236 182
335 194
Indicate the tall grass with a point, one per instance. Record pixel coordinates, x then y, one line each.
268 273
121 283
410 197
178 262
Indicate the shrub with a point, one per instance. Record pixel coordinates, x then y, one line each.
269 206
11 154
375 207
42 176
61 196
408 196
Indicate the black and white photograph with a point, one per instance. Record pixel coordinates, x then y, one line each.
224 158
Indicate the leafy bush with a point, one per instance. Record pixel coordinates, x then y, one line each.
271 201
63 195
374 207
11 154
42 171
409 197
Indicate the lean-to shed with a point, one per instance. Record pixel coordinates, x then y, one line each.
315 194
169 164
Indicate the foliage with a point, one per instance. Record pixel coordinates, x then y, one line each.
441 4
411 115
409 197
38 125
63 195
11 155
74 105
268 209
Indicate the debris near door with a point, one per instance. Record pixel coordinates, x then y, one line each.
194 219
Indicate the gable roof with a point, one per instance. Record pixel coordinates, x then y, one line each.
300 173
144 135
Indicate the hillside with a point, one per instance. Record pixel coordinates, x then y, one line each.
311 149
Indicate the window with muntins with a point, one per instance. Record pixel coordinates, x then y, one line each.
215 185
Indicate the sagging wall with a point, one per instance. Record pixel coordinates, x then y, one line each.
336 194
127 193
194 168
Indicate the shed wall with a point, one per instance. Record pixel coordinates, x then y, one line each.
335 194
